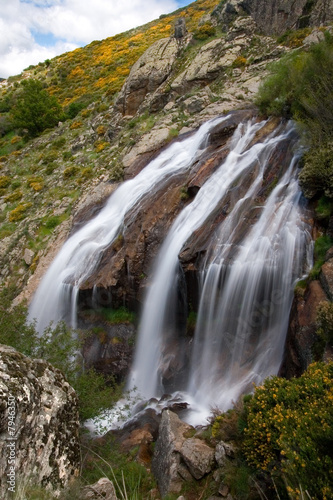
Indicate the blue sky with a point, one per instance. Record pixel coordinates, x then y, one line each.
34 30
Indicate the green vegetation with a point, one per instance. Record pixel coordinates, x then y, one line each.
111 316
59 347
284 437
301 87
322 245
35 110
289 432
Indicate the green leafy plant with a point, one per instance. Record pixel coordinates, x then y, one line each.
35 109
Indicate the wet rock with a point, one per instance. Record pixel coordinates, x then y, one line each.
148 145
103 488
43 409
110 350
326 278
91 203
302 330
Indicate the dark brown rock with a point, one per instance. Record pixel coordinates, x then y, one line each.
326 278
302 330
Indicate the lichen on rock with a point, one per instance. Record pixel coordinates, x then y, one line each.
39 424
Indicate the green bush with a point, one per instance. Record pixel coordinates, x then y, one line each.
325 321
59 346
70 172
316 176
289 431
301 87
4 181
35 110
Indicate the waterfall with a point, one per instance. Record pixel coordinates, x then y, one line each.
254 260
257 249
56 296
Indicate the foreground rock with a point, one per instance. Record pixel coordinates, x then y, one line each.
39 424
102 489
177 456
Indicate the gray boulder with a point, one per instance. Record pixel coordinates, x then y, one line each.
39 424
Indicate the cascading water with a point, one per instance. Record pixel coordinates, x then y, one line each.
248 280
56 297
252 262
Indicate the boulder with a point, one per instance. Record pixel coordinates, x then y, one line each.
167 459
180 28
28 256
39 424
198 456
223 451
177 456
103 488
147 74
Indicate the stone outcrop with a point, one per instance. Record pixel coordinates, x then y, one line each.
39 425
275 17
178 457
147 74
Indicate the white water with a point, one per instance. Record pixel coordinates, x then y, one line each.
246 295
56 297
247 278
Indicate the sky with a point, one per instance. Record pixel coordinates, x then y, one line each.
34 30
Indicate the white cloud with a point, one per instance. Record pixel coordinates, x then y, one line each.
72 23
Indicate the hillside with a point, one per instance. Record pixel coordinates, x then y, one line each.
43 179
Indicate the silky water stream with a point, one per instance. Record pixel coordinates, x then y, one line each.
247 276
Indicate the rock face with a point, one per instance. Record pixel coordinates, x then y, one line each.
147 74
39 425
275 17
124 266
302 335
178 457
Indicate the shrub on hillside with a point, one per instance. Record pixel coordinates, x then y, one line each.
289 431
301 87
35 110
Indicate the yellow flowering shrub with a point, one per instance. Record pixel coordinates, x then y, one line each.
19 212
289 431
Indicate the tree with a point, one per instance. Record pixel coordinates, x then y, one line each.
35 110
